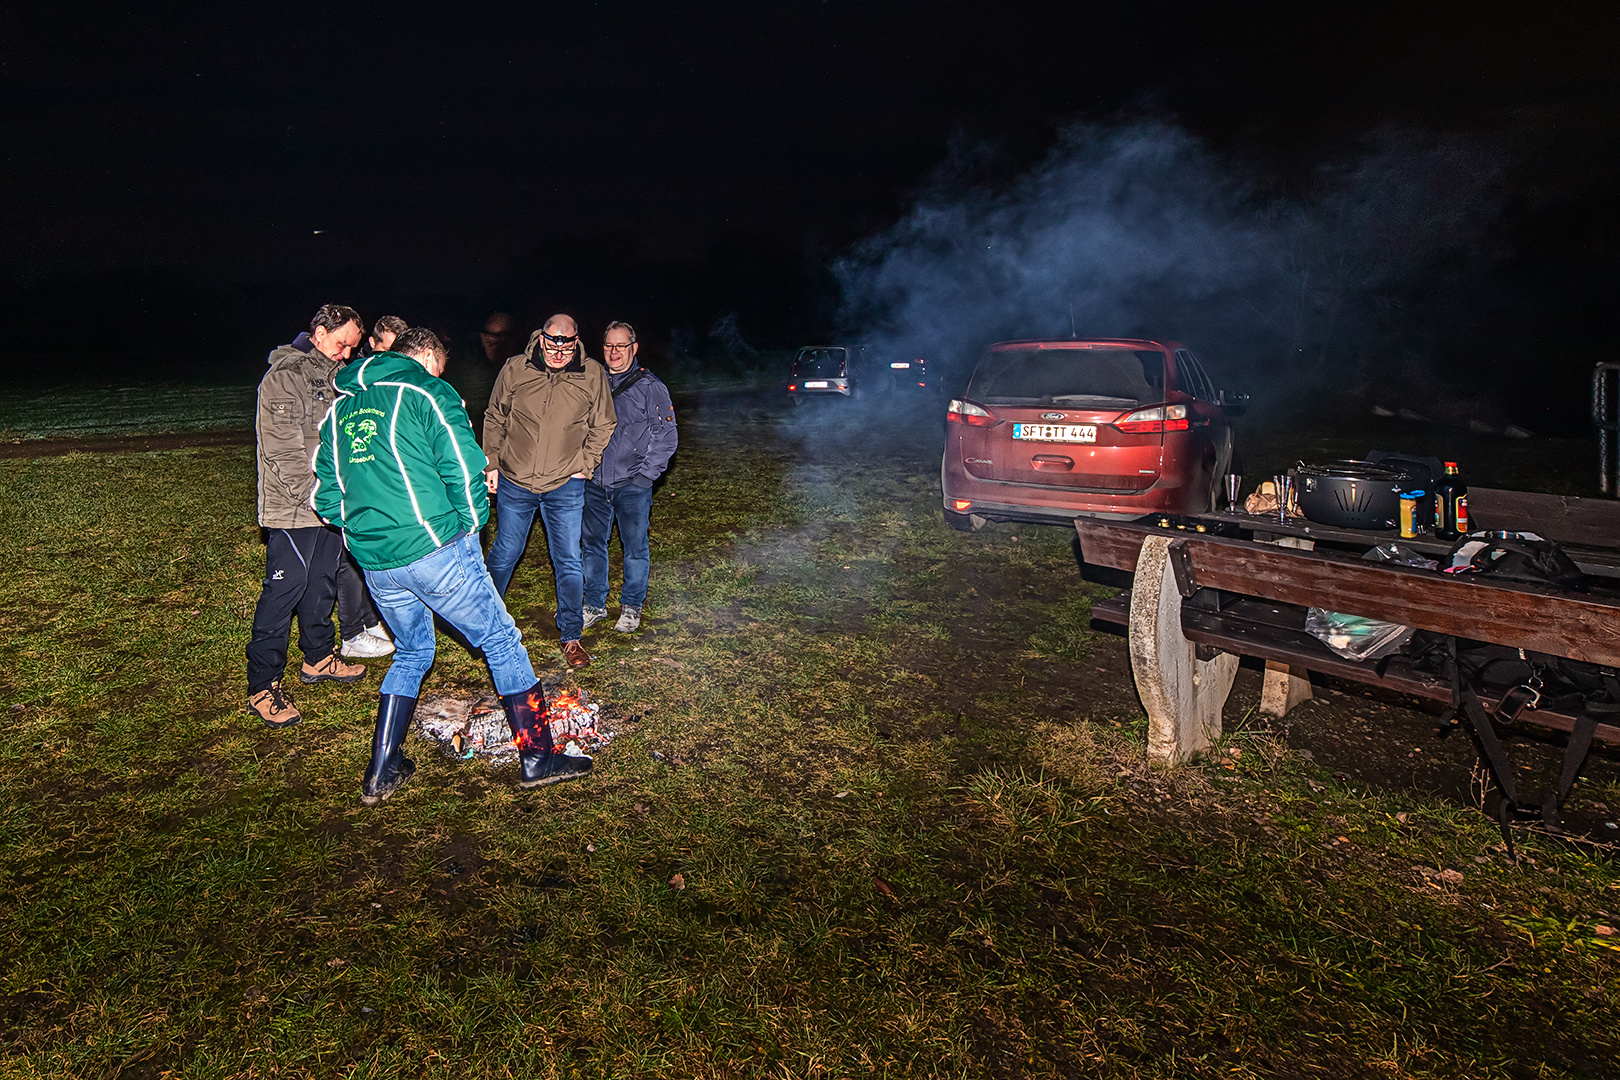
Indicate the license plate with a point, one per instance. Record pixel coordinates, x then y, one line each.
1056 432
819 385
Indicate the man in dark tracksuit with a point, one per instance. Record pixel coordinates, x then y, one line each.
301 553
398 469
643 441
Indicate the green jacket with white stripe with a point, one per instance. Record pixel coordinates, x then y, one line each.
398 469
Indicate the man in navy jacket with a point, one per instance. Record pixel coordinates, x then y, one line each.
621 489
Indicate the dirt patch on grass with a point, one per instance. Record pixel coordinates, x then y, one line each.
133 444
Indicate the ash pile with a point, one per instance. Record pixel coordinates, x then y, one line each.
464 728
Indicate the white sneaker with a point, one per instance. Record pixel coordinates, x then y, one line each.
380 632
364 646
593 615
629 620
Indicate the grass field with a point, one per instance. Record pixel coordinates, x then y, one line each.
875 810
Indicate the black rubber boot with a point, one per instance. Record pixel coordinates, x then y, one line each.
531 730
389 768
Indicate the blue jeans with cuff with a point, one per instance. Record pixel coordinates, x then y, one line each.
560 510
631 507
452 583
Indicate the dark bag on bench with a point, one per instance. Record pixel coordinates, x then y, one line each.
1516 678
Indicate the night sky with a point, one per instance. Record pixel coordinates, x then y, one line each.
175 164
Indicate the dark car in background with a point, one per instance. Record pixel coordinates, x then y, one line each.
1048 430
851 371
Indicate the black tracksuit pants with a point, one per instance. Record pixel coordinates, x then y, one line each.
300 576
356 612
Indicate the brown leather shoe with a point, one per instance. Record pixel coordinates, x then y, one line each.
332 668
274 707
575 654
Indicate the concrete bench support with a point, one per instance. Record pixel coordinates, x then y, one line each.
1285 686
1182 694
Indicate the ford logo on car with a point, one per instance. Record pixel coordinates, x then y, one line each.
1051 416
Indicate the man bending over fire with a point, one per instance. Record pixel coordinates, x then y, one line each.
399 471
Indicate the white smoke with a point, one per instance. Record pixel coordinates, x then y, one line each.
1142 231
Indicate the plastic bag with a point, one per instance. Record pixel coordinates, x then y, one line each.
1355 637
1400 555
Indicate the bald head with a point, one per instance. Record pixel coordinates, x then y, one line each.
559 340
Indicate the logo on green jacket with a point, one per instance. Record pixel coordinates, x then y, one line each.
360 430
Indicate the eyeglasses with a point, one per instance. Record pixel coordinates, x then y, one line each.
614 346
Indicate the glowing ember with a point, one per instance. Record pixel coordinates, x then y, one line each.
465 728
574 726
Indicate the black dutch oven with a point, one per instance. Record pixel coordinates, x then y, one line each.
1354 494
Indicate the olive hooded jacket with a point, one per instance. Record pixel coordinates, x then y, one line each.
293 398
545 424
398 469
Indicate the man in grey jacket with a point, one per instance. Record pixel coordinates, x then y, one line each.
301 552
643 441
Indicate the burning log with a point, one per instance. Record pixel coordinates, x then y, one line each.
465 728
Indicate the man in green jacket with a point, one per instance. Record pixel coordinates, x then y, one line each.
399 471
550 416
301 553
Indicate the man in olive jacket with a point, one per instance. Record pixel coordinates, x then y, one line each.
301 553
550 416
399 471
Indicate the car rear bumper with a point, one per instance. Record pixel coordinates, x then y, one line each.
1000 500
1041 515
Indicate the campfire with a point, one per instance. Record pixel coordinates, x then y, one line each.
465 728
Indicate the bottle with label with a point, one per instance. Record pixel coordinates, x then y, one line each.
1451 504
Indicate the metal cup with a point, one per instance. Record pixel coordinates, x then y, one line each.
1234 484
1285 496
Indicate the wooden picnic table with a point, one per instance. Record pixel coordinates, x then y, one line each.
1200 600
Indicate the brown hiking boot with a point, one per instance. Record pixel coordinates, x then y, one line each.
575 654
331 668
274 707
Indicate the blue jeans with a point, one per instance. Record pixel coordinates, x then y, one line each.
560 511
631 506
453 583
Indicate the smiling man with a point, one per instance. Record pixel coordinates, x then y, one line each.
549 419
643 441
301 553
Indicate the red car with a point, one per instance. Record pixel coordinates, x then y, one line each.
1110 427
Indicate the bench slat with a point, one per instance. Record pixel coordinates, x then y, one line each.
1525 617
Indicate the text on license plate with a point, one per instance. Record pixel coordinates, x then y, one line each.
819 384
1056 432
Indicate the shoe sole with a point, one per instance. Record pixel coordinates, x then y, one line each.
311 680
358 655
384 796
298 718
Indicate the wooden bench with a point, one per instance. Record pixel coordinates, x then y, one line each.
1200 600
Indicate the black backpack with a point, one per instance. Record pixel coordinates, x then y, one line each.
1480 671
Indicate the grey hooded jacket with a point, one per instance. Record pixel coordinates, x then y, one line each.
293 398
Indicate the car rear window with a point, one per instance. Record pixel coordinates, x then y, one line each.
1122 377
823 363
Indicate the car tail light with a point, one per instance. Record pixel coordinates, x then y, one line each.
961 504
965 412
1158 418
792 387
